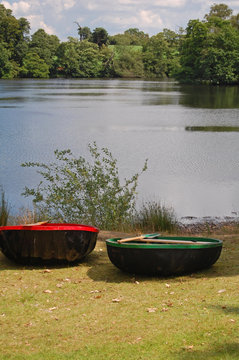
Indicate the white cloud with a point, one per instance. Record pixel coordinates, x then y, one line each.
68 4
149 18
48 29
170 3
143 18
233 3
6 4
91 6
21 8
127 2
37 22
58 6
107 4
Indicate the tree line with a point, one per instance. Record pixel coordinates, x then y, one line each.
207 51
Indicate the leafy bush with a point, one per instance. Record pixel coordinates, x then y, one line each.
75 190
155 217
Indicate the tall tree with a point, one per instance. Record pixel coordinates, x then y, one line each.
84 32
210 52
34 66
136 36
219 10
45 46
81 58
154 56
14 37
100 36
161 54
6 66
128 62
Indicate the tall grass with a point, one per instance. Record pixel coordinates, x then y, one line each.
153 216
27 216
4 210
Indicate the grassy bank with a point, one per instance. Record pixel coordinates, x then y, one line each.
94 311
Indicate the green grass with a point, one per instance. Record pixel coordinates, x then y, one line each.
70 313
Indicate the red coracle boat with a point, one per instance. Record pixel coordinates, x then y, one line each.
44 242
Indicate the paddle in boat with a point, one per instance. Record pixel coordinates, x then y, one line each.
153 254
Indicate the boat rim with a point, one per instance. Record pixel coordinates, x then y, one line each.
51 227
209 243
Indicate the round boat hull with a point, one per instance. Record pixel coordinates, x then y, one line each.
64 243
163 260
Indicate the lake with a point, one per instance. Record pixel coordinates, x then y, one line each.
190 135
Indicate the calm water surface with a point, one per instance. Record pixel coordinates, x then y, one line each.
189 134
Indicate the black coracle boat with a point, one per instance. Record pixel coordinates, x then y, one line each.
163 255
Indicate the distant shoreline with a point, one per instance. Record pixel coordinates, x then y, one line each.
204 225
193 224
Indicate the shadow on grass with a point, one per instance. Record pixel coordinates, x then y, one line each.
103 270
222 351
7 264
100 268
228 310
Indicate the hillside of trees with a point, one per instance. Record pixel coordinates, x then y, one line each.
206 51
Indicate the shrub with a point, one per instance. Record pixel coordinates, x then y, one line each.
75 190
155 217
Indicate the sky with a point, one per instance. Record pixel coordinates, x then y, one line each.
59 17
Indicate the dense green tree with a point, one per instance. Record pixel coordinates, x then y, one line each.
219 61
210 52
161 54
174 41
196 34
154 56
136 36
45 46
120 39
132 36
84 32
12 30
34 66
219 10
7 67
4 12
107 56
90 61
100 36
82 58
14 38
128 62
22 43
68 58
